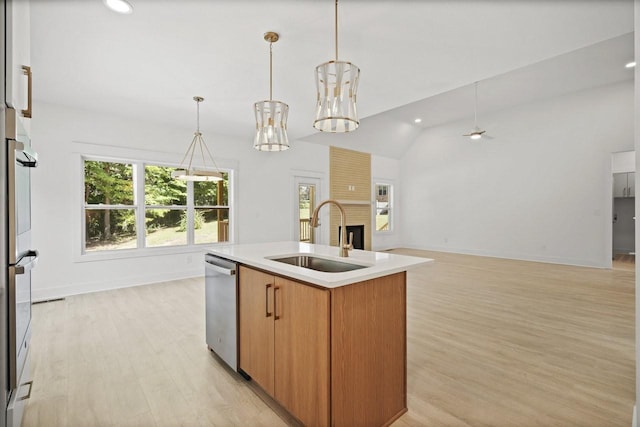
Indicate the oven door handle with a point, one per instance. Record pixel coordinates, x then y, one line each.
22 268
31 160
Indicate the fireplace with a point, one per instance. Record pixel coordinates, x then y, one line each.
358 235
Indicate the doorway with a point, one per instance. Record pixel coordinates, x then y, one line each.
623 215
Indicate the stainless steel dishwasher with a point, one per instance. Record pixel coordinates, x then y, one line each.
221 308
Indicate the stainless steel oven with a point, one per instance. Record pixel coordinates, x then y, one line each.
22 258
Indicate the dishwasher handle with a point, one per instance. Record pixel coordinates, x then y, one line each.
222 269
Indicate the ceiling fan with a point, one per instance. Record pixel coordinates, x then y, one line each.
476 133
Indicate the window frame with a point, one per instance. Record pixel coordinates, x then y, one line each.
390 205
138 162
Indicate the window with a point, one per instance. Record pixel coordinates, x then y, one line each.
134 205
211 214
110 209
383 207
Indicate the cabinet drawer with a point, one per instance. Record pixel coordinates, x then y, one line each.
20 396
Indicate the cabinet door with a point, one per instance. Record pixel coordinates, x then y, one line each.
631 184
619 184
255 305
302 351
18 53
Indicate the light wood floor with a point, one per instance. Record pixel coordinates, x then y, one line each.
491 342
624 262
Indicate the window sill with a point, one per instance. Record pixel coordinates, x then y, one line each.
143 252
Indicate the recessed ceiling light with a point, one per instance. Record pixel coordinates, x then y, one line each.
120 6
417 120
631 64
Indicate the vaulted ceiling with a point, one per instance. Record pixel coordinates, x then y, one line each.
149 65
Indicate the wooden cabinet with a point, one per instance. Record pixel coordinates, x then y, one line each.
18 59
255 305
284 342
329 356
624 184
369 352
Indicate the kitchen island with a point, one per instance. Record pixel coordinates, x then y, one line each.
330 347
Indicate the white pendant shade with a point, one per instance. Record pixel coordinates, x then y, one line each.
337 85
119 6
271 116
271 126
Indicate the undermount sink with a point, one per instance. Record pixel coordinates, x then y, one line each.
318 264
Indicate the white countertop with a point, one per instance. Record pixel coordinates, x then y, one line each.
257 255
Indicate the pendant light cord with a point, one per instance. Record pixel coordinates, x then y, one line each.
197 115
270 71
475 108
336 15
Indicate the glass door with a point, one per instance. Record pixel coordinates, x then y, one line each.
306 205
306 195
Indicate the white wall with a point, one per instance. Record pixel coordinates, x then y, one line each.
262 206
540 190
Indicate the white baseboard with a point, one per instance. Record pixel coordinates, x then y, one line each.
519 257
634 422
62 291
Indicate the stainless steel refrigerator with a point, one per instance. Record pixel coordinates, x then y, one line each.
4 329
17 258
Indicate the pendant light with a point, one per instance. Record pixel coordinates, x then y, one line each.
336 83
476 133
191 172
271 116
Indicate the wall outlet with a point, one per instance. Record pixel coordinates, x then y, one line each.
189 259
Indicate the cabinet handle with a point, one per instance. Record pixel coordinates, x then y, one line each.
266 300
275 310
26 70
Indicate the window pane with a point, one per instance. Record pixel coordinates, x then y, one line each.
109 183
110 229
161 189
211 193
211 225
382 207
382 219
165 227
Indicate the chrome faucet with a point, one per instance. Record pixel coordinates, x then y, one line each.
344 245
